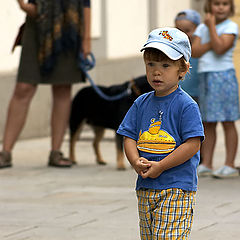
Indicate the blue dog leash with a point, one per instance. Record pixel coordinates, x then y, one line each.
86 64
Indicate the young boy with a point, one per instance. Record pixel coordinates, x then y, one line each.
187 21
163 132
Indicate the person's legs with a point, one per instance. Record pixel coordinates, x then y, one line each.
17 113
16 117
231 142
208 144
59 121
60 113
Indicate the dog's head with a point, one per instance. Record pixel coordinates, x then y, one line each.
140 85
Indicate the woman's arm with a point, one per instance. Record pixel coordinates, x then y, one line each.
87 31
29 8
180 155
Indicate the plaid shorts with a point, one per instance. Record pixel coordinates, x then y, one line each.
165 214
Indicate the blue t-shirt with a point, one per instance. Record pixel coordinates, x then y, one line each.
159 125
210 61
190 84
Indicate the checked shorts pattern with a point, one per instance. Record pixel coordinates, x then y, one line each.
165 214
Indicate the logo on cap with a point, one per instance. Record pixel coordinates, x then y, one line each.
166 35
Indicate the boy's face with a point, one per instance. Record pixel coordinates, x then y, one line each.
163 76
186 26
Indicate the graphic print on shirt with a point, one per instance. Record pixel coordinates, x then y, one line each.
156 140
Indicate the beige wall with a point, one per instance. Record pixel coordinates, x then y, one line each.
10 19
166 18
127 25
236 18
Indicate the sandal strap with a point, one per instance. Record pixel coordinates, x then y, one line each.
5 159
56 157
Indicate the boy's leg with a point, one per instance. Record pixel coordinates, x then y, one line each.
173 214
145 215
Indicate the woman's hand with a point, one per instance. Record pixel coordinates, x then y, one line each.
20 3
29 8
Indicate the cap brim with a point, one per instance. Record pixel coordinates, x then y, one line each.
170 52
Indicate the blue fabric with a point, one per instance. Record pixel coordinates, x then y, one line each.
190 15
210 61
191 84
218 99
180 119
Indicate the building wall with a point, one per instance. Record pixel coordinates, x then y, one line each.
119 29
164 17
236 19
129 28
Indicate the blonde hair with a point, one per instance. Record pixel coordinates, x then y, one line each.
207 7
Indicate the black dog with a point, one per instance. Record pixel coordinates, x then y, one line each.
89 107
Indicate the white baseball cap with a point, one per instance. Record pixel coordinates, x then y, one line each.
171 41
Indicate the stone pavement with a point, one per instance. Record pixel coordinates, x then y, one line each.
90 202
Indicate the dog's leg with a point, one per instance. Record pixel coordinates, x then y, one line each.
73 139
99 132
120 155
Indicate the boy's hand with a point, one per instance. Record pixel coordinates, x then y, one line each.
154 171
142 165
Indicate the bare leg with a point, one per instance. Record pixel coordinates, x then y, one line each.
208 145
231 142
17 113
60 113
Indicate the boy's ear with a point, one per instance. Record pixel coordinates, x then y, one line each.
183 73
188 67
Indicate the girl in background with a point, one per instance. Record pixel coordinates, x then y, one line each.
219 102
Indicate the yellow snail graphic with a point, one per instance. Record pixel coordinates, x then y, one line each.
155 140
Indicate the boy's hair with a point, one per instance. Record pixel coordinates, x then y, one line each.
154 54
207 7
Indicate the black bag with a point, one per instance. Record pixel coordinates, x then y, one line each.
18 40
